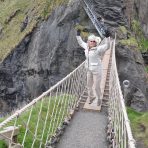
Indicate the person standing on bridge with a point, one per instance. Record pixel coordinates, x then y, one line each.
94 51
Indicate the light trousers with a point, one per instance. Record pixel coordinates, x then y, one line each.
93 84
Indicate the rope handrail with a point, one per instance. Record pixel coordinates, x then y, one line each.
51 109
17 113
119 122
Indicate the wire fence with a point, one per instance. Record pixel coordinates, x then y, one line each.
36 123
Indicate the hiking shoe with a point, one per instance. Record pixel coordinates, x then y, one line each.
99 102
91 100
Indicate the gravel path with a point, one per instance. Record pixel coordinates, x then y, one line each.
86 130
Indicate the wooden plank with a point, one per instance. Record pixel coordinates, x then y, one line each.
94 106
91 107
7 132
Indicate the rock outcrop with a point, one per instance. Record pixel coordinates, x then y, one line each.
131 67
24 24
44 57
141 8
137 9
12 16
130 63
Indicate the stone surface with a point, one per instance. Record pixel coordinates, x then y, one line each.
131 67
24 24
130 63
44 57
135 98
86 130
145 57
137 9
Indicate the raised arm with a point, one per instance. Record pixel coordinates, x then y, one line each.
80 41
105 45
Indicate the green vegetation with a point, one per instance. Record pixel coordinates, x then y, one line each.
60 111
137 39
142 42
36 10
139 124
123 29
84 32
144 45
136 28
146 69
132 42
2 144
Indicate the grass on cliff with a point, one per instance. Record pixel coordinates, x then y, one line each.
35 9
146 69
60 112
139 124
135 40
139 35
132 42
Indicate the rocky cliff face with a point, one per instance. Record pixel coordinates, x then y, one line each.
137 9
129 60
51 51
141 8
44 57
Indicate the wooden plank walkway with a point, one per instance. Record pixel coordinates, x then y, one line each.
105 63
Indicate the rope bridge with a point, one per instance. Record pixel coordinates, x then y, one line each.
38 123
119 130
39 120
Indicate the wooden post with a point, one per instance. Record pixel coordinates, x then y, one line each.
6 134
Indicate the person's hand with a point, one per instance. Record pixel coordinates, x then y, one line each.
85 30
78 32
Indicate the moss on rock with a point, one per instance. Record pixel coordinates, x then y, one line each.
84 32
139 35
35 10
123 29
132 42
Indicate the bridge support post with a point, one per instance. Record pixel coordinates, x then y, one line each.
6 136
